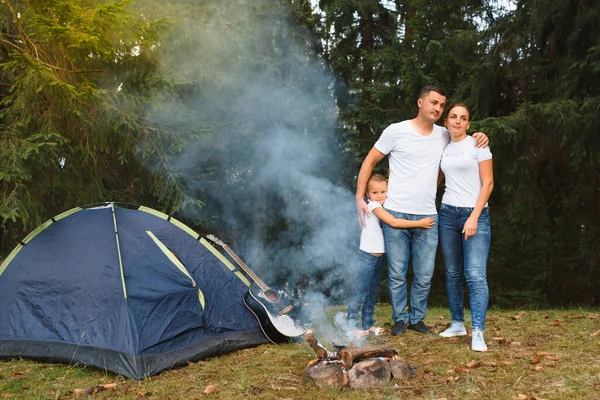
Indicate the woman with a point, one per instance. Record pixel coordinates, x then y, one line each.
464 224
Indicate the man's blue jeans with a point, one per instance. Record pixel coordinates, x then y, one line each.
365 290
419 245
468 257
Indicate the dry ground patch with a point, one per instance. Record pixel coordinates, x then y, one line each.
533 354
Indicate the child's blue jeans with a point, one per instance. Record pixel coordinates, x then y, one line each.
365 290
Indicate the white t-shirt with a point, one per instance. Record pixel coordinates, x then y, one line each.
460 164
414 165
371 236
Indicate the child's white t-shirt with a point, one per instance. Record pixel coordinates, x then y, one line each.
460 164
371 237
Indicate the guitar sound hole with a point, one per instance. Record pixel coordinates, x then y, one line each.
272 296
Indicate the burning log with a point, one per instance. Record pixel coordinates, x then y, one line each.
350 355
328 375
322 352
361 368
401 370
370 374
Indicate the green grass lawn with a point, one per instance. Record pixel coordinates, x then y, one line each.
537 354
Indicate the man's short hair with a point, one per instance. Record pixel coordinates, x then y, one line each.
430 88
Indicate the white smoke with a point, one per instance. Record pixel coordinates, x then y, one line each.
263 148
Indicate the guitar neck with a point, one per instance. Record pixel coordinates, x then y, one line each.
246 269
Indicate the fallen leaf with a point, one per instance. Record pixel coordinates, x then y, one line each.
538 368
596 333
515 317
475 364
515 343
487 364
142 394
88 391
209 389
506 363
453 378
542 353
554 323
254 389
523 397
109 385
593 316
499 339
536 360
553 358
450 371
462 370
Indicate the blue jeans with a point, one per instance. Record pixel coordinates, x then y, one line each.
468 257
419 245
365 290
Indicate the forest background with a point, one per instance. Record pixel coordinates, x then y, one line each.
249 119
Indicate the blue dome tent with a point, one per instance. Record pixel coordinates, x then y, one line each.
132 291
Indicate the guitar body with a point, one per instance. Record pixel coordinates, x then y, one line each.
267 306
281 317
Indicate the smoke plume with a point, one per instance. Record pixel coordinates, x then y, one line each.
262 150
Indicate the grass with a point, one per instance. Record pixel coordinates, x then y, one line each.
536 354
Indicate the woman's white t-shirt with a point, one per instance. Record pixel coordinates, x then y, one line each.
371 236
460 165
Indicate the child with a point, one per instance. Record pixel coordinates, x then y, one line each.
370 256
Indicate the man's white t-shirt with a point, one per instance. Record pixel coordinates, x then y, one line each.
460 164
371 236
414 165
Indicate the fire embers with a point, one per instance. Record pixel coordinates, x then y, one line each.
360 368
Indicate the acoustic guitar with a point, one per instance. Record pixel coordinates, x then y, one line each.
281 317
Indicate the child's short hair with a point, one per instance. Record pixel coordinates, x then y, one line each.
376 178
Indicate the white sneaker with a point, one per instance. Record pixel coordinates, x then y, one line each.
477 342
455 329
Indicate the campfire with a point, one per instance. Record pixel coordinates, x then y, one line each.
361 368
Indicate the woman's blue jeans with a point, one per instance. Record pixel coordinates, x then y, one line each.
365 290
465 257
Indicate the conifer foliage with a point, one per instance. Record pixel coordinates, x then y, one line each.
67 117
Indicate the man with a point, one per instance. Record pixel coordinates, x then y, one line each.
414 147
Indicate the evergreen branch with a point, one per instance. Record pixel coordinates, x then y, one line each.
13 45
74 71
162 160
19 27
